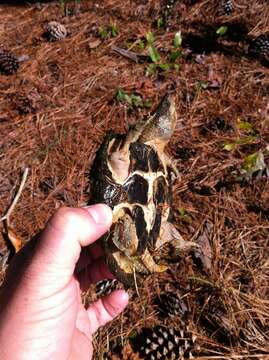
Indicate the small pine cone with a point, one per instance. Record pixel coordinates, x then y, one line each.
171 305
23 105
26 102
165 344
106 286
225 7
9 63
259 47
55 31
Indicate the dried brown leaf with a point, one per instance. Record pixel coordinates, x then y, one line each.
204 254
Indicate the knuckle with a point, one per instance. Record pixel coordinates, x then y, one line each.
68 217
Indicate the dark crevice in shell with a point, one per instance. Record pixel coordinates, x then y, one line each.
155 231
141 229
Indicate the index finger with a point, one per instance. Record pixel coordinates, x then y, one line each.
106 309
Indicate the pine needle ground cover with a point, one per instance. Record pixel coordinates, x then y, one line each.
104 65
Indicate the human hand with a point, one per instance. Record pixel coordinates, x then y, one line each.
41 314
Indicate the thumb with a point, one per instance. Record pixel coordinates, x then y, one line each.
69 230
54 254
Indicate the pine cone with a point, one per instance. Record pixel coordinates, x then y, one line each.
171 305
55 31
165 344
259 47
23 104
9 63
106 286
26 103
225 7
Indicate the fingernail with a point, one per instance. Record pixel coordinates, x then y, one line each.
101 213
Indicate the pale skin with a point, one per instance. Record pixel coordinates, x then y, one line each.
41 313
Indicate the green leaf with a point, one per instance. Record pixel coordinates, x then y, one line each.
153 53
240 141
229 146
253 163
246 140
121 95
177 39
136 101
245 125
250 161
222 30
150 38
177 67
128 99
103 33
141 44
181 211
164 66
132 100
174 55
160 22
114 31
147 103
184 216
151 69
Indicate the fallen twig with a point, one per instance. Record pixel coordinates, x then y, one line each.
16 198
131 55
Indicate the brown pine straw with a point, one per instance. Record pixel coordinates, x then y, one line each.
71 87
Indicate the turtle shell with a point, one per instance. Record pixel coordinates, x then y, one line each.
138 190
133 175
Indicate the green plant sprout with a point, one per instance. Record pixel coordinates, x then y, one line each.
184 215
248 132
160 22
134 101
157 64
253 163
222 30
106 31
177 39
245 125
153 53
239 141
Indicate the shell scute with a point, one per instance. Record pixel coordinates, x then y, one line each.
139 155
160 191
137 188
154 162
141 229
155 231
